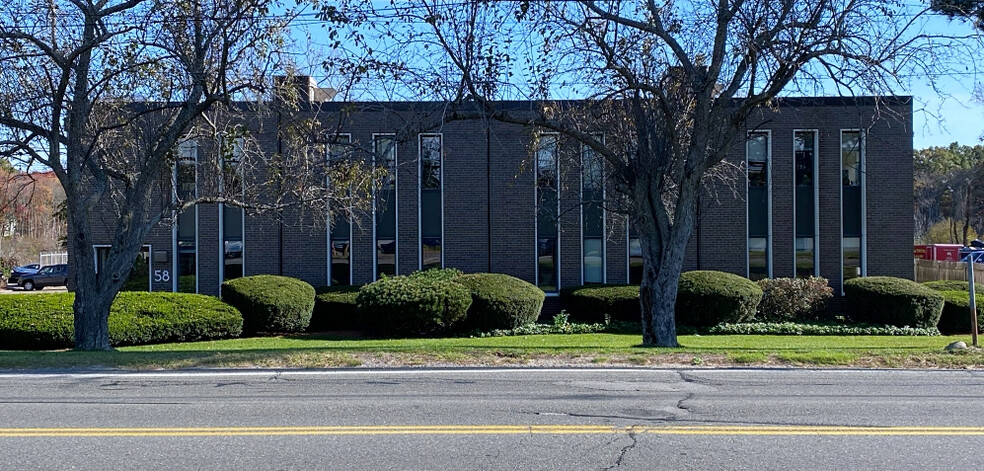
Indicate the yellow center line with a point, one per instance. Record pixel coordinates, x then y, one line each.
492 430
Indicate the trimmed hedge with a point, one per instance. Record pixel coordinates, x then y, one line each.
45 321
892 301
413 305
955 318
500 301
436 274
270 303
335 309
595 303
706 298
953 285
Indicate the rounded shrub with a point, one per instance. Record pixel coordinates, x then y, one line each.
500 301
955 318
409 305
335 309
953 285
706 298
892 301
436 274
45 321
271 303
595 303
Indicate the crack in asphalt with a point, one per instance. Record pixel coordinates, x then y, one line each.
694 379
683 407
625 449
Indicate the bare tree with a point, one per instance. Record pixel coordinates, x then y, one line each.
668 84
103 92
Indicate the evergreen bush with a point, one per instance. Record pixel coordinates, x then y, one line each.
706 298
596 303
500 301
413 305
270 303
335 309
893 301
45 321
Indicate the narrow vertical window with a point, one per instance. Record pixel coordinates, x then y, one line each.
139 279
635 258
757 153
384 153
340 230
852 204
804 150
547 209
186 235
233 222
431 201
592 216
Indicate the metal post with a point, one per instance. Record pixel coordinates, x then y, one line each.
973 299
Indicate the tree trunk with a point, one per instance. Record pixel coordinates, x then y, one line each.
92 319
662 265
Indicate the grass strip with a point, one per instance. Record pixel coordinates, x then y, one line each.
599 349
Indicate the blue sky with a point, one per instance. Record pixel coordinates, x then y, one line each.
938 119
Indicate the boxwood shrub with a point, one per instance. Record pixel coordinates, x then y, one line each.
892 301
335 309
593 303
413 305
953 285
500 301
955 318
45 321
271 303
706 298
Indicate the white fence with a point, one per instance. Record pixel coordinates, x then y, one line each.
53 258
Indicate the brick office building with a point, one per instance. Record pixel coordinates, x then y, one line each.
828 191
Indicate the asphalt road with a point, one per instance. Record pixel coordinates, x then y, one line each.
494 419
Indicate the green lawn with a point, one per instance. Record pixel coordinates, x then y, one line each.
318 351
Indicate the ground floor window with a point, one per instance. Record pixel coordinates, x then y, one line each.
341 252
232 244
594 260
139 279
547 263
805 257
852 257
758 258
430 252
635 261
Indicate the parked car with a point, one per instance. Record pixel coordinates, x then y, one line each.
18 272
51 275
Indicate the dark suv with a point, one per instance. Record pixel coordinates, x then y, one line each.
51 275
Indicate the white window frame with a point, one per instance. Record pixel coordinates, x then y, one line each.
604 218
396 208
816 200
348 138
238 145
862 135
768 197
536 232
150 261
420 192
174 227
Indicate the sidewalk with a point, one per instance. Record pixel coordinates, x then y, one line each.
19 290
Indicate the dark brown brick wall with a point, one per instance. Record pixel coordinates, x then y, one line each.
476 215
